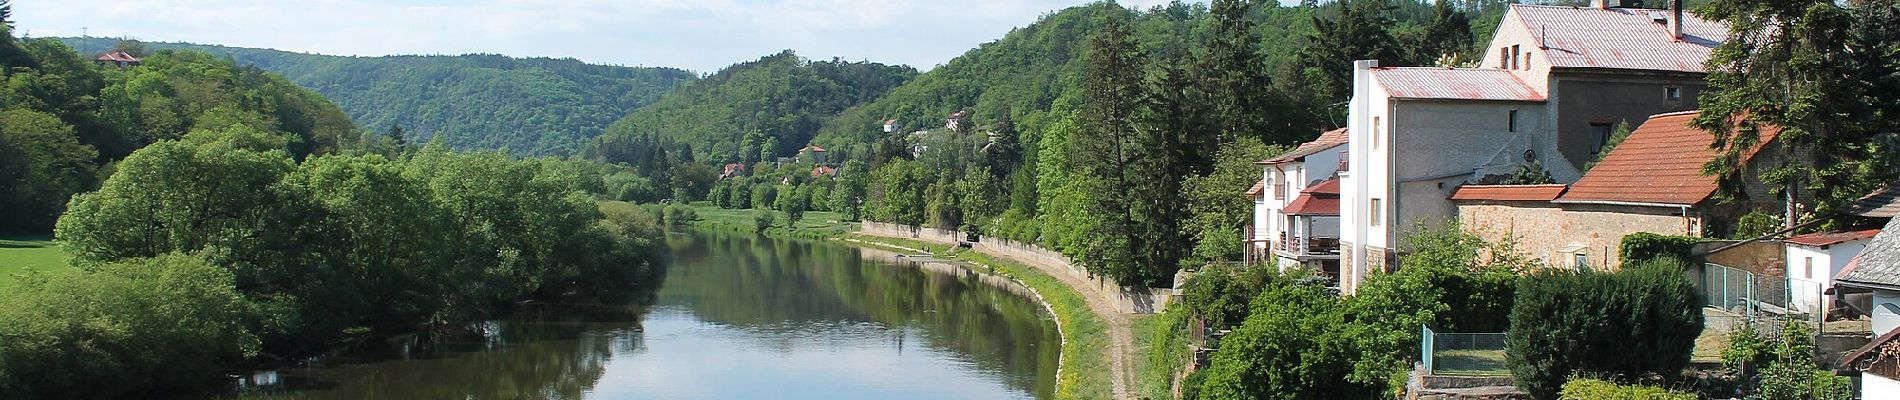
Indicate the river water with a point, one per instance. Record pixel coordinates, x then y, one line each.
738 317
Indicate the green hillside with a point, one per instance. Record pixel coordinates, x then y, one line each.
771 106
531 106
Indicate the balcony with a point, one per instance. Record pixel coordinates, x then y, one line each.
1307 247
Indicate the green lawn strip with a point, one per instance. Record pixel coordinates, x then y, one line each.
1143 329
21 255
1085 365
815 225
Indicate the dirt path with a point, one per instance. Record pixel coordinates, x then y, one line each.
1121 339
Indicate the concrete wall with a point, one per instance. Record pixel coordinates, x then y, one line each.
1535 71
1556 233
1878 387
1584 99
1137 300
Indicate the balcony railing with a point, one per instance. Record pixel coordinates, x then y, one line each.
1307 246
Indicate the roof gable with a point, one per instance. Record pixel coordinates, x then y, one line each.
1660 163
1619 38
1326 140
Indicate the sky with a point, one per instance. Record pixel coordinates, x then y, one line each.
698 35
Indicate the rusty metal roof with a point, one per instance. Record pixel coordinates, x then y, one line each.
1454 84
1619 38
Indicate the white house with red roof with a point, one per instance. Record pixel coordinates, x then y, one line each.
1556 79
1815 259
1296 206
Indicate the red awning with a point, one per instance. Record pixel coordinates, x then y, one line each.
1308 204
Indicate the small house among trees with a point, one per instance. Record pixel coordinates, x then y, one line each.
117 59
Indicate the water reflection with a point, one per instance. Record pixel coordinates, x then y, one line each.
739 317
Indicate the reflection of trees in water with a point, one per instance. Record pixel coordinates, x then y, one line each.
554 352
760 284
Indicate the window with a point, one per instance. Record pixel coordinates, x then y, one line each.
1504 58
1375 213
1375 133
1516 54
1580 260
1809 267
1601 132
1510 122
1672 93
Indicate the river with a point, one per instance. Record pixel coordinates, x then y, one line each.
738 317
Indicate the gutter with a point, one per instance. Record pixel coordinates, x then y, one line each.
1684 207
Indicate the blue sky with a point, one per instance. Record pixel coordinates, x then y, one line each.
701 35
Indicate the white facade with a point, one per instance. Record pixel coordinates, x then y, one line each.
1285 183
1811 270
1878 387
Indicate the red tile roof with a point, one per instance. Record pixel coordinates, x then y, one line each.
1508 192
813 148
1454 84
823 171
1329 187
1833 238
1258 187
1309 204
1660 163
1619 38
1326 140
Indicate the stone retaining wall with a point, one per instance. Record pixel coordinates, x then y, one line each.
1137 300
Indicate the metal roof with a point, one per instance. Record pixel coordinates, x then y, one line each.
1453 84
1879 264
1619 38
1832 238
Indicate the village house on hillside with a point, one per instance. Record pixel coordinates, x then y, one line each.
1652 182
1296 206
1553 84
117 59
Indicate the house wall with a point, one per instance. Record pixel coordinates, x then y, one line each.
1441 145
1878 387
1806 286
1511 31
1586 98
1545 231
1886 306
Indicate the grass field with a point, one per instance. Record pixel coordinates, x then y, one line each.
22 254
815 225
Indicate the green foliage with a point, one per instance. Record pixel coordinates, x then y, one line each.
1782 368
1756 224
897 192
1221 294
1820 72
1530 173
1169 351
1290 347
1643 246
754 111
531 106
1637 323
1218 215
170 324
1617 135
762 220
1593 389
42 163
680 216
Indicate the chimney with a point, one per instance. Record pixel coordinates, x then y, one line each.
1600 4
1675 19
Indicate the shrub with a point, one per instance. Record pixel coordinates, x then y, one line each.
1755 224
1643 246
1292 346
1632 324
1593 389
164 325
762 220
1782 368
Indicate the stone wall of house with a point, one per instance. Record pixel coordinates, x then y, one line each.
1555 234
1128 299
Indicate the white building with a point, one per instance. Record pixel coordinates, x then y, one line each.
1559 79
1877 270
1814 259
1296 206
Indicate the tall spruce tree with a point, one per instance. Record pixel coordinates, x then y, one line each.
1233 74
1108 149
1822 72
1360 31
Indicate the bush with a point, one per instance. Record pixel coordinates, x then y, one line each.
1633 324
762 220
1755 224
164 325
679 216
1294 345
1782 368
1643 246
1593 389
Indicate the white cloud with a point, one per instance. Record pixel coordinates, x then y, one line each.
701 35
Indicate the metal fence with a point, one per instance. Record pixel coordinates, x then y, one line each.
1758 298
1463 354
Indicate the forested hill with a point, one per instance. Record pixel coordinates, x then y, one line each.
758 109
529 106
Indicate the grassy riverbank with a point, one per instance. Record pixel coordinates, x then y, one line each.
20 254
815 225
1085 364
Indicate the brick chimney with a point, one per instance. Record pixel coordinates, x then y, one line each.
1675 19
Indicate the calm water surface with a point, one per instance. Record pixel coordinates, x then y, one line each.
739 317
